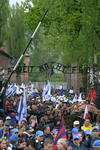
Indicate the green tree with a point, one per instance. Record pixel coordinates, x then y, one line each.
4 13
71 25
16 33
70 32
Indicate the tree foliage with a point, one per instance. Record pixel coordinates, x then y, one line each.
16 33
4 13
70 31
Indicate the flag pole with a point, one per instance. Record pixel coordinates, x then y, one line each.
2 92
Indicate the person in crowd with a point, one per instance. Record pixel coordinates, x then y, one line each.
14 132
3 144
95 134
62 144
21 144
22 128
13 142
54 133
8 119
76 124
75 131
39 140
47 133
87 139
87 125
12 114
76 143
5 132
69 136
48 143
33 121
28 133
96 145
1 123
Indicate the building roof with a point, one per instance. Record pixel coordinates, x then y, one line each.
4 52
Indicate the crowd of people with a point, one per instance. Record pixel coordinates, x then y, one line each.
39 130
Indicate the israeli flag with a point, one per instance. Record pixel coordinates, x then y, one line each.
61 91
11 90
75 99
32 94
22 108
47 91
80 97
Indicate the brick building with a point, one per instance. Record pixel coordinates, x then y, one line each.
6 62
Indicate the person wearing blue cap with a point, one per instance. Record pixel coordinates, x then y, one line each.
95 134
14 132
39 140
87 138
76 143
96 145
54 133
75 131
13 140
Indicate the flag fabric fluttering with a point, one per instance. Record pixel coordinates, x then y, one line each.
80 97
86 114
47 91
75 99
32 94
11 90
22 108
61 134
61 91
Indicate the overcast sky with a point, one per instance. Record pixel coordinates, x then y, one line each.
13 2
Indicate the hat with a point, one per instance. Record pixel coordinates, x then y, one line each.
75 130
29 128
8 118
39 133
96 143
95 128
7 123
54 131
88 132
76 123
14 130
13 138
76 136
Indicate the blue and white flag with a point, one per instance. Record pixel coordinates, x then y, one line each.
61 91
80 97
47 91
22 108
75 99
11 90
32 94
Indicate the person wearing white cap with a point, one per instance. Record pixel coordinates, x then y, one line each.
76 125
8 119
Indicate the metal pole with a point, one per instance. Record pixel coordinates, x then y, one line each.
2 92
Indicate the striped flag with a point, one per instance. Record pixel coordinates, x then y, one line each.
47 91
11 90
75 99
61 91
22 108
86 114
80 97
61 134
